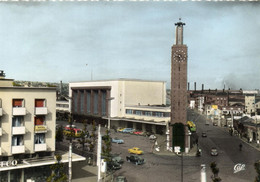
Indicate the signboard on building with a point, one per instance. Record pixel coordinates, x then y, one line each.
214 106
40 129
8 163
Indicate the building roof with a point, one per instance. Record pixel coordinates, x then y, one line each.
120 79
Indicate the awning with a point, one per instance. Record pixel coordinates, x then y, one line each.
42 161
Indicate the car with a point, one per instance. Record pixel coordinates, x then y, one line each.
117 140
120 179
214 151
76 132
137 160
128 130
138 132
152 137
203 134
112 165
135 150
215 124
117 158
120 129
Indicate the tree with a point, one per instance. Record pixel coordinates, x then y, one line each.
58 174
83 139
59 134
107 147
92 140
215 172
257 168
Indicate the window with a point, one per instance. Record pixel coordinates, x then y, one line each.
39 120
147 113
129 111
88 101
39 102
40 138
17 121
103 103
17 140
18 103
82 102
138 113
95 102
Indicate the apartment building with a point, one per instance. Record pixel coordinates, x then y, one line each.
27 129
139 104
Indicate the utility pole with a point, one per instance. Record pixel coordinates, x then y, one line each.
70 149
203 177
99 154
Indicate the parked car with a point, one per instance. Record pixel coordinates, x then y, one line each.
138 132
117 140
120 179
152 137
112 165
135 150
119 129
127 130
203 134
117 158
214 151
135 159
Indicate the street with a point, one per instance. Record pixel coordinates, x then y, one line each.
165 166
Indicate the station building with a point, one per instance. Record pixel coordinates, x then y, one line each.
138 104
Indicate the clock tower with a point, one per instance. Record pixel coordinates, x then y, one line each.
179 59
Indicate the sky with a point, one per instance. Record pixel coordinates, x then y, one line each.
80 41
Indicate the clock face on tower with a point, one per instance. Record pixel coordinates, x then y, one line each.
179 56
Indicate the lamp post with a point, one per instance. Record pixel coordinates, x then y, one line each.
70 145
177 150
109 111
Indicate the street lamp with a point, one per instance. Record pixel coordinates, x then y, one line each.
177 150
70 146
109 110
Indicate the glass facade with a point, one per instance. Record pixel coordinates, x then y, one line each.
103 103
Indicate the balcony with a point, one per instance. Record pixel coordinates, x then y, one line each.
1 111
18 149
18 130
40 147
40 129
19 111
41 111
1 132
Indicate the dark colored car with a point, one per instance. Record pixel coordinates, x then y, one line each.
112 165
117 158
120 179
214 151
137 160
203 134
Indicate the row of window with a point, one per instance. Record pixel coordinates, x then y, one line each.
19 121
21 103
83 99
17 140
148 113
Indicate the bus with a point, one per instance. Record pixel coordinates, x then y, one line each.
68 129
191 126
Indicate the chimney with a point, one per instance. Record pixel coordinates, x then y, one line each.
194 86
202 87
2 74
188 86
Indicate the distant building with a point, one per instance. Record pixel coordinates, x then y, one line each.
138 104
